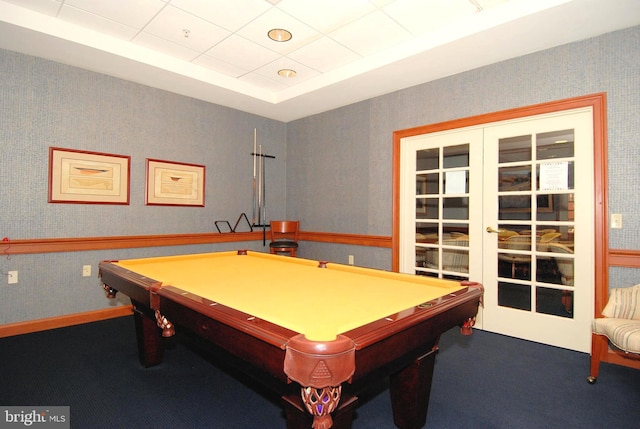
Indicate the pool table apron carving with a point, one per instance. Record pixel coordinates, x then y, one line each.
331 373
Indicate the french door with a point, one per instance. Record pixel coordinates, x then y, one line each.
509 204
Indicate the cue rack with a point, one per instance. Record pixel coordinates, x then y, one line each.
259 217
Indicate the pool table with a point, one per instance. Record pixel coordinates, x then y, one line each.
318 333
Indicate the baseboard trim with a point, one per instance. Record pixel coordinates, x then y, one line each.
63 321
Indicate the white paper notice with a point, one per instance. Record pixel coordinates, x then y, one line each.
455 182
554 176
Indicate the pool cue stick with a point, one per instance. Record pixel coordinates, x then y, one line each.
264 201
260 185
253 219
264 191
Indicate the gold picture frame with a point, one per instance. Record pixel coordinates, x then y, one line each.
174 183
84 177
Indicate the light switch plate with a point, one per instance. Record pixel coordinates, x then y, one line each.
616 221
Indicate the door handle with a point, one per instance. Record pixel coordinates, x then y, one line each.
495 231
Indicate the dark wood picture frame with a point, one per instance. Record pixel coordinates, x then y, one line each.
171 183
85 177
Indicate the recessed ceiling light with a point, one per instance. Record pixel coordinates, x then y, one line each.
287 73
279 35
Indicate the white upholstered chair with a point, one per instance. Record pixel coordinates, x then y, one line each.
619 328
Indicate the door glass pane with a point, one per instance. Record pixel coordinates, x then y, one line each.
426 208
565 265
556 144
514 149
567 166
544 204
556 207
427 184
516 178
427 257
513 295
509 230
456 260
547 270
554 301
456 230
455 208
456 156
514 207
427 159
456 182
514 266
427 274
427 232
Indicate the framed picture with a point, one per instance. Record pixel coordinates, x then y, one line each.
83 177
174 183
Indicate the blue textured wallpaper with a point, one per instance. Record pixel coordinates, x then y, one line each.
609 63
332 170
44 104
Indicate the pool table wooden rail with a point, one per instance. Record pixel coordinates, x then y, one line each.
401 346
407 330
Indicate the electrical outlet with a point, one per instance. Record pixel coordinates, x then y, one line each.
350 259
86 270
12 277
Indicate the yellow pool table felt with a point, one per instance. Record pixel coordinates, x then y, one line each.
293 292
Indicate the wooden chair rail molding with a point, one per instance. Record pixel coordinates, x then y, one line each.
51 245
616 257
624 258
620 258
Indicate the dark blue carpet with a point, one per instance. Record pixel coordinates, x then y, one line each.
482 381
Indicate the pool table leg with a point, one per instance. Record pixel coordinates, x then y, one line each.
299 418
410 389
149 336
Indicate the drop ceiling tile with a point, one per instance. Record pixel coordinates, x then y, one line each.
488 4
370 34
324 55
257 31
326 15
422 16
270 71
219 66
97 23
165 47
231 15
393 32
47 7
263 82
171 24
242 53
381 3
134 14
